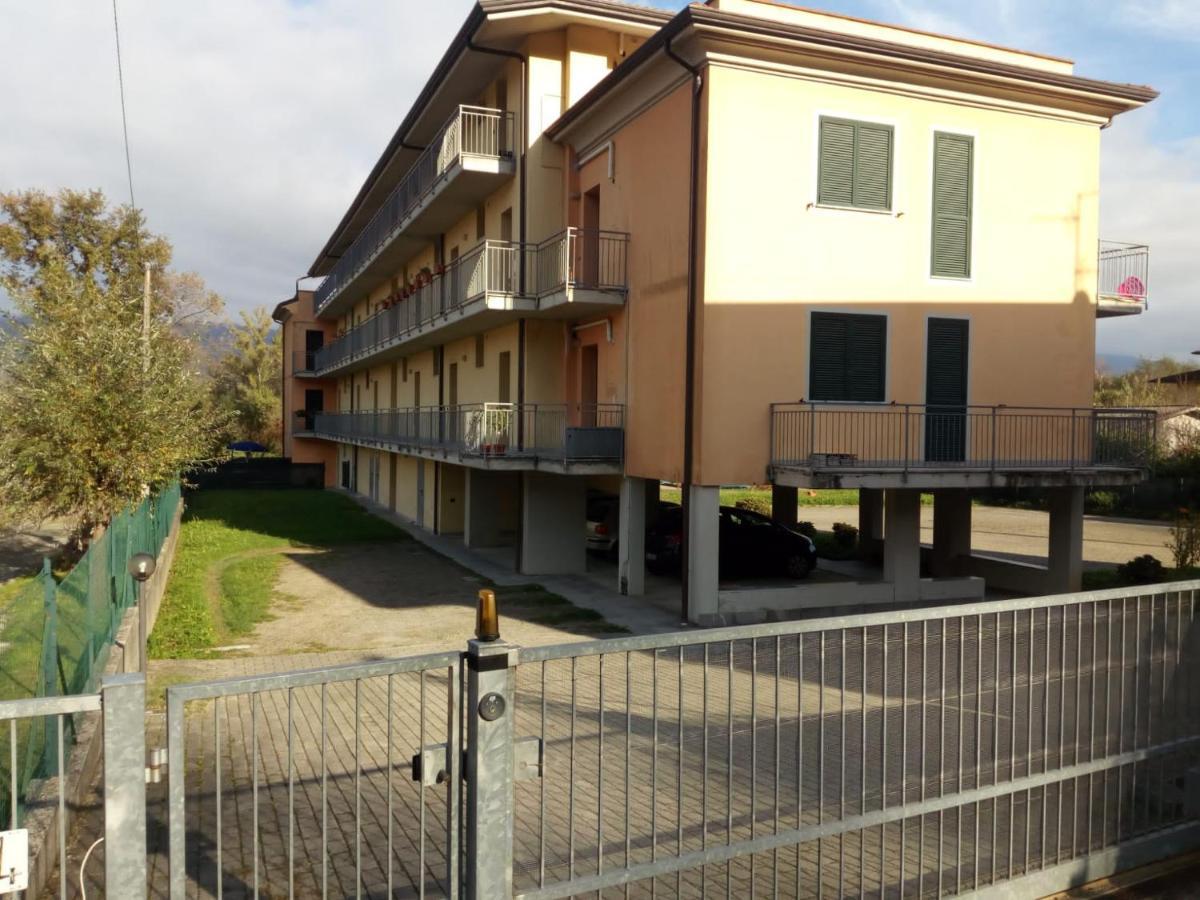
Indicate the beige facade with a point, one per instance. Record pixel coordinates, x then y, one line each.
602 246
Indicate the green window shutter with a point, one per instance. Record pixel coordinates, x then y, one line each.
855 166
848 357
953 156
835 183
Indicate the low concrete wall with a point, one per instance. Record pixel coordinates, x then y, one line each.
1008 575
742 607
86 761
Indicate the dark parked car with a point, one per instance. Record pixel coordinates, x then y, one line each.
750 544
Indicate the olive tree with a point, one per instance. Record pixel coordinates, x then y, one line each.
95 413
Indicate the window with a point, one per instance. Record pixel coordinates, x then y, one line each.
847 357
855 164
953 156
479 351
480 221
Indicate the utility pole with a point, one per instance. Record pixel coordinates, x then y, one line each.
146 321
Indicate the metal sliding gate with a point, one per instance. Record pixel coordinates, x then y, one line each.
1010 748
1017 746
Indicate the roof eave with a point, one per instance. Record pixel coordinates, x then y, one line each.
1118 97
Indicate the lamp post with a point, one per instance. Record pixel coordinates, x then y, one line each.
141 567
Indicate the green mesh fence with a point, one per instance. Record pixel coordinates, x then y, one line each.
55 636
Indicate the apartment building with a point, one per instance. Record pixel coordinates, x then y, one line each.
611 247
302 335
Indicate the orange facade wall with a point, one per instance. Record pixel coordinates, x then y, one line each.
771 256
647 198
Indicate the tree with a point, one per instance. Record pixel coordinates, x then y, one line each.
94 416
1138 386
246 381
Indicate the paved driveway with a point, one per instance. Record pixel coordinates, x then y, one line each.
22 549
1026 533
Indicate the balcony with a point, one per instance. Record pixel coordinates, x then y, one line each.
467 160
910 445
553 437
1124 279
304 363
572 274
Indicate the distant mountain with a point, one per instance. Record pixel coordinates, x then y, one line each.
1116 363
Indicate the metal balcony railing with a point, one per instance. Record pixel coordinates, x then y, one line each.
572 259
1124 272
304 362
492 267
471 131
556 431
582 258
903 437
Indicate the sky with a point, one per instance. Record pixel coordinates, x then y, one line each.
252 123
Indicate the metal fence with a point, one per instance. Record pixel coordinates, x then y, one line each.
913 436
56 635
121 699
918 753
555 431
1124 271
471 131
328 782
1013 747
572 259
1010 748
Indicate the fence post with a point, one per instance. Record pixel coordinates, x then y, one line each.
491 677
994 426
49 685
123 700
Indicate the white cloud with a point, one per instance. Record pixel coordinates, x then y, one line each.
1149 194
252 124
1179 19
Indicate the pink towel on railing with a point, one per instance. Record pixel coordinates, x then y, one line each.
1132 288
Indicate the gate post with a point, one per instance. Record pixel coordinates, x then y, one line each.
123 701
491 679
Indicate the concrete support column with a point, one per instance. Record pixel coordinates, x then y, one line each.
491 505
902 547
951 533
704 544
870 522
1065 562
553 524
653 491
631 538
783 505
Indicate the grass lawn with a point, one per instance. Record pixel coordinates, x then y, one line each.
228 557
21 618
760 497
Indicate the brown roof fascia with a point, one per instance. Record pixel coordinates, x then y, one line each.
693 16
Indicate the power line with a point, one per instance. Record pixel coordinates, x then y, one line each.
124 120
